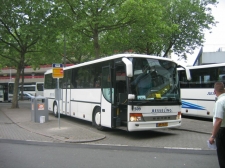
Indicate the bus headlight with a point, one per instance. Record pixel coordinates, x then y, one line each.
136 117
178 115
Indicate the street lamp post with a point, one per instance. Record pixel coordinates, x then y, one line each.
64 58
10 76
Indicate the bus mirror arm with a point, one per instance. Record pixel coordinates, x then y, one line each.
188 74
129 67
131 97
187 70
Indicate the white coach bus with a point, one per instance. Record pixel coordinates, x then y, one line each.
36 89
197 95
28 88
6 91
126 91
39 89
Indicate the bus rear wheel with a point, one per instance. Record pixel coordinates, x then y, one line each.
97 119
55 109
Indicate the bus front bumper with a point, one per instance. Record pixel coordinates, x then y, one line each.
144 126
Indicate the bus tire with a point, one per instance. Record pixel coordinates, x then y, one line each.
96 119
55 109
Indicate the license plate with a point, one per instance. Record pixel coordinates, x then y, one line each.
162 124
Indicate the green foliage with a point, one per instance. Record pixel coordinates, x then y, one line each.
26 27
188 20
91 18
42 32
162 27
143 33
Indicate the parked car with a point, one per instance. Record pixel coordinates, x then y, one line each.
26 96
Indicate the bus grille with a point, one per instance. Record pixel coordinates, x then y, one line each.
160 118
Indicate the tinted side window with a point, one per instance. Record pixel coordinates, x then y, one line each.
40 87
66 81
50 83
202 77
87 76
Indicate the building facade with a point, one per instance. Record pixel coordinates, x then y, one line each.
210 57
8 74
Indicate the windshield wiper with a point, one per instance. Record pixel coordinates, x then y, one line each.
141 103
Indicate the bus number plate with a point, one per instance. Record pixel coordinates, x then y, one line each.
162 124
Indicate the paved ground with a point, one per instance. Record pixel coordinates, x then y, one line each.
16 124
12 120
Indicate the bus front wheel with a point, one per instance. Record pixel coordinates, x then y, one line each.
97 119
55 109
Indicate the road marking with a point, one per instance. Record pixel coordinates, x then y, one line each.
107 144
37 141
183 148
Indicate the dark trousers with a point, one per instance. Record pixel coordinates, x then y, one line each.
220 143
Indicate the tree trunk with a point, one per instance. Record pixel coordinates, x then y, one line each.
16 83
147 49
168 50
96 44
15 89
22 83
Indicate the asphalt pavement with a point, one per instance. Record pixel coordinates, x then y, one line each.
52 130
12 120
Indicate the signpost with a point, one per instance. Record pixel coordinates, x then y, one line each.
57 72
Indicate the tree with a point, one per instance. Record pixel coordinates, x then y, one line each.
162 27
91 18
142 35
25 28
191 19
75 47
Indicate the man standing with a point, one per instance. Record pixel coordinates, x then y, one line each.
218 132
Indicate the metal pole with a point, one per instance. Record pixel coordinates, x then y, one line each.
64 58
58 102
10 74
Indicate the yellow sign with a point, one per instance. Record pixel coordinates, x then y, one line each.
57 71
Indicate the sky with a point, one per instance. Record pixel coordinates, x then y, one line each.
215 38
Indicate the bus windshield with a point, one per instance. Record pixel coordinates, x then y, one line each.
154 80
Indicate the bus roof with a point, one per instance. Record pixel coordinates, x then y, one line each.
204 66
111 58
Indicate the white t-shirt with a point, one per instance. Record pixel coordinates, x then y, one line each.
219 109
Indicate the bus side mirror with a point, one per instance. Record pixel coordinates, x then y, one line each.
129 67
131 96
187 70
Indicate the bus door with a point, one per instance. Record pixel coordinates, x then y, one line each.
120 96
1 93
66 98
107 97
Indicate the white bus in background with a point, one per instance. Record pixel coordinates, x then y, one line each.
126 91
28 88
39 89
6 91
35 89
1 93
197 95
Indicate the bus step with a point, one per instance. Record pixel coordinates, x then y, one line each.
122 128
123 123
